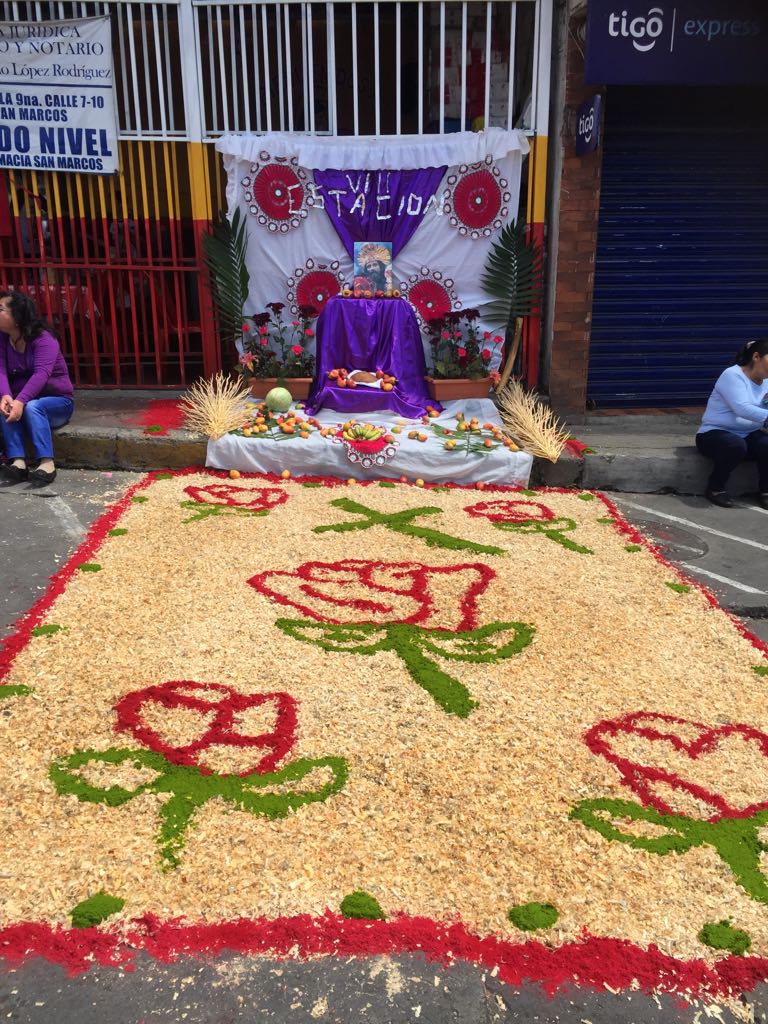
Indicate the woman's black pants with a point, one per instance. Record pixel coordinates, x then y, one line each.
728 450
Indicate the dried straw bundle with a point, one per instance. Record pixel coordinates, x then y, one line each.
530 422
214 407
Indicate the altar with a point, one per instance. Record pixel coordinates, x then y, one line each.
370 334
469 462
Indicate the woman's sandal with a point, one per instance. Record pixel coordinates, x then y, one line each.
12 474
40 478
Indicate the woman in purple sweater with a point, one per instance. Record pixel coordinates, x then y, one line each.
35 390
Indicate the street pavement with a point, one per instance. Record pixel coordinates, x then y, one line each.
724 549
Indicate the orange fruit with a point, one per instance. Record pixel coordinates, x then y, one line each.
286 474
234 474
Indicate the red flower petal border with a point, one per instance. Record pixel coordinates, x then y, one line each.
477 199
275 192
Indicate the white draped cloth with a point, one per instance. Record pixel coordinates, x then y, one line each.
294 252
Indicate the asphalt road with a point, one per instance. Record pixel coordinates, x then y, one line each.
725 549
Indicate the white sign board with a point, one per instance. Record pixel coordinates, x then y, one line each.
57 106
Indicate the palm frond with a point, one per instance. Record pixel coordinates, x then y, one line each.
513 276
224 251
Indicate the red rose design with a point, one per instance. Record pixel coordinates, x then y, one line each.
356 590
668 753
220 709
258 499
509 511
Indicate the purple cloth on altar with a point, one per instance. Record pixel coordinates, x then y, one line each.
377 206
370 334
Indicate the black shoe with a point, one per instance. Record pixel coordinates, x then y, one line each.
762 499
12 474
720 498
39 477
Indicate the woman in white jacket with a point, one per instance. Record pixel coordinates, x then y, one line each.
735 422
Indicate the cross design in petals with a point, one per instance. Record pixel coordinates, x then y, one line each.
403 522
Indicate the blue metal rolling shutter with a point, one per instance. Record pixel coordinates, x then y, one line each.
681 274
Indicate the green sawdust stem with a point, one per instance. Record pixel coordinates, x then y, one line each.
47 630
586 496
386 483
679 588
95 909
139 499
723 936
529 917
633 547
119 531
606 520
89 567
204 511
528 492
735 840
362 904
267 794
163 476
311 484
153 428
15 691
762 670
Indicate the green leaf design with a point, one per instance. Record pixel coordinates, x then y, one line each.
95 909
64 774
340 639
47 630
605 815
14 690
494 642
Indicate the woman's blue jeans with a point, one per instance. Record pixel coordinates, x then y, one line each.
40 417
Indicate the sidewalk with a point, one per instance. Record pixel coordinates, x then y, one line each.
642 452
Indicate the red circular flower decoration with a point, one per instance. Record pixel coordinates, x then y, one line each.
278 191
511 511
430 299
317 288
477 199
256 498
219 708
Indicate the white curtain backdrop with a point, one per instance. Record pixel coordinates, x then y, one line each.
444 259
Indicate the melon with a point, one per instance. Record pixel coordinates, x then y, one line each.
279 400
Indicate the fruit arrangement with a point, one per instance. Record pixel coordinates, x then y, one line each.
356 433
265 423
355 291
340 377
469 436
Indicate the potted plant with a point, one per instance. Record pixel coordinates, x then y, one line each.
275 351
461 358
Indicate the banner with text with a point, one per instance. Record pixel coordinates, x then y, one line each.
57 106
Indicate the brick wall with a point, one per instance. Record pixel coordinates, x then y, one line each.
574 280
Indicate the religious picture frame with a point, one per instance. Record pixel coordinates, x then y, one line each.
373 267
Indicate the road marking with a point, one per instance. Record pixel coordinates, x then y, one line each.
696 526
69 521
754 508
697 570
